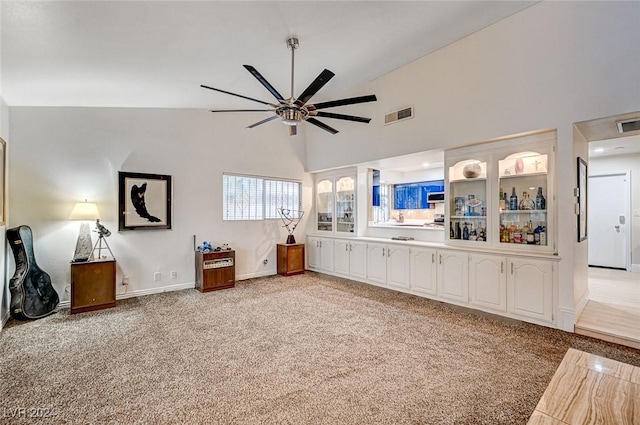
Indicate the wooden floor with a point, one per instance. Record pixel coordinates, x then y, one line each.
589 389
613 310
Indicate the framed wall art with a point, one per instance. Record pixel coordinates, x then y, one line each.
144 201
582 199
3 189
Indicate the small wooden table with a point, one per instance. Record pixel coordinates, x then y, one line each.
290 259
93 285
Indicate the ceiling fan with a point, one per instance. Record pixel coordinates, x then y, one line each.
294 111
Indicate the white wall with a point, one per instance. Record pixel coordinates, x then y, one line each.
61 156
548 66
617 164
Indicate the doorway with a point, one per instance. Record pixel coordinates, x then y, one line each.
608 220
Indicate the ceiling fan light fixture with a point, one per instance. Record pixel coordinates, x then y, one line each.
291 117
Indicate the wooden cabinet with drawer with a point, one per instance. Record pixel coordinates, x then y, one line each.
215 270
93 285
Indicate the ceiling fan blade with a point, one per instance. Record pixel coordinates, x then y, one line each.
322 125
238 95
263 81
343 102
242 110
263 121
313 88
293 130
342 117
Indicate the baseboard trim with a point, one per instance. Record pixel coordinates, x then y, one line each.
566 319
254 275
582 303
635 268
142 292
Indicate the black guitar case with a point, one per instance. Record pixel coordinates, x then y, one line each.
32 295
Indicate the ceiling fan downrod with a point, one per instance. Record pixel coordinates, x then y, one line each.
292 44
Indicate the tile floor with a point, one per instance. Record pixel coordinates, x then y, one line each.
613 310
589 389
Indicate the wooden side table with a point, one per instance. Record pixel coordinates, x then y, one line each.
93 285
215 270
290 259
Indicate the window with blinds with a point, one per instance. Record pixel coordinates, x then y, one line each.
258 198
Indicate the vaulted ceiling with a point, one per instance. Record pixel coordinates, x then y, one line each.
156 54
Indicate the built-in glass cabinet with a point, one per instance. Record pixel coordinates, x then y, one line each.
324 204
468 201
336 203
501 194
523 191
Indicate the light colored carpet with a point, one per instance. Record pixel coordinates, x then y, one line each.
305 349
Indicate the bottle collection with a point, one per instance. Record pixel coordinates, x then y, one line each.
527 234
526 203
467 231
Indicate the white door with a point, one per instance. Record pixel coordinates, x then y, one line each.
453 275
530 287
358 259
607 219
377 262
326 256
398 266
488 281
313 253
423 270
341 257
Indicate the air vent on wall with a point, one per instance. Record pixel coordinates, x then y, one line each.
402 114
628 125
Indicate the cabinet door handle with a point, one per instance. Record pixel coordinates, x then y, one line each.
350 247
383 252
501 267
388 252
511 268
346 247
433 257
320 244
440 258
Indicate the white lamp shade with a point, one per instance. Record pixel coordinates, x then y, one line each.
84 211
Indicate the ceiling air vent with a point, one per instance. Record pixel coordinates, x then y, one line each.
628 125
402 114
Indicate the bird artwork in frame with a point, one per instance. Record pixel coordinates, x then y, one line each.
144 201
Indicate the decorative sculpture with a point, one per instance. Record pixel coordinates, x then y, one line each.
32 295
291 219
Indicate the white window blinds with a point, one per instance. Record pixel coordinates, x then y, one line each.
258 198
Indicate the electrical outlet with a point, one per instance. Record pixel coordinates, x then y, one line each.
125 281
157 276
265 261
174 274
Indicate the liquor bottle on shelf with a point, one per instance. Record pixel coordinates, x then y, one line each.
473 234
513 200
527 203
536 235
452 234
503 201
530 234
458 230
541 203
465 232
543 236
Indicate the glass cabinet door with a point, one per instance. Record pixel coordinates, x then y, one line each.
345 204
324 205
468 201
523 183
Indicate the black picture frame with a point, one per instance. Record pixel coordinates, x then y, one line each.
144 201
581 194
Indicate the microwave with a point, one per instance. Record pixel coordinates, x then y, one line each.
435 197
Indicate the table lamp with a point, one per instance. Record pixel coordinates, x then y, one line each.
86 211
